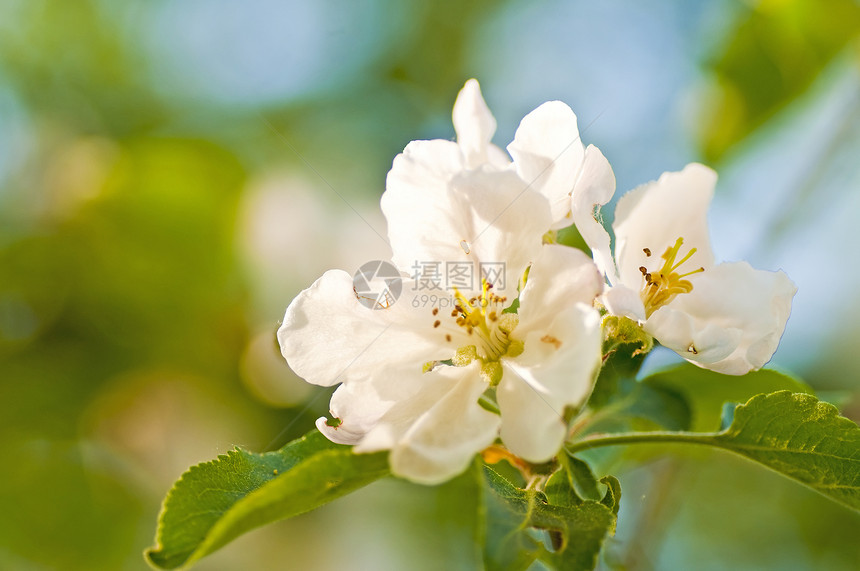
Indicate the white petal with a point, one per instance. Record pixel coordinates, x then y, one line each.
623 301
503 222
733 318
417 194
559 278
389 428
533 425
417 189
481 216
329 337
311 336
424 168
698 341
555 370
548 155
358 407
434 435
594 188
375 410
497 157
656 214
474 124
361 406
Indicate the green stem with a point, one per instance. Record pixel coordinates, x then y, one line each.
639 438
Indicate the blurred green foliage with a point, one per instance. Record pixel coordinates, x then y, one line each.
775 51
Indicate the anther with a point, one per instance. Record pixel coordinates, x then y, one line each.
437 323
662 287
435 310
647 251
551 340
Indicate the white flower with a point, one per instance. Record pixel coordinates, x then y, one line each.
397 394
411 377
726 317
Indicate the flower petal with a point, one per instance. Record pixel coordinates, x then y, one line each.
533 425
732 320
329 337
474 124
434 435
356 407
424 168
555 370
482 216
548 155
503 222
656 214
497 157
698 341
559 278
417 191
309 336
593 189
621 300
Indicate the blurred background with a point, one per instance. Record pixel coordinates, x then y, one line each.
172 173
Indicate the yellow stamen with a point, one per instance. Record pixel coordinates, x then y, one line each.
482 317
662 286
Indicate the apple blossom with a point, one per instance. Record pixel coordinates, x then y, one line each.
412 376
411 379
726 317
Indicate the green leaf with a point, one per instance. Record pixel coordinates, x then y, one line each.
612 497
706 391
794 434
570 236
654 406
508 545
801 437
577 528
572 485
638 407
581 477
215 502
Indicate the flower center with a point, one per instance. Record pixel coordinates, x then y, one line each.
661 286
483 319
